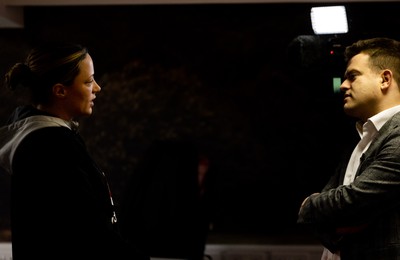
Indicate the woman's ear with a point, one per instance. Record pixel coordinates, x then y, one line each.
59 90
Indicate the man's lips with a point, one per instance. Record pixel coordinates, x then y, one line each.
346 97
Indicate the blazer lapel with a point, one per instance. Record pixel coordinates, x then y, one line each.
376 143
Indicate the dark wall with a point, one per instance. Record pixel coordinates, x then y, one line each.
249 84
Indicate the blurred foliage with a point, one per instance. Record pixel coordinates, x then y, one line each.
144 103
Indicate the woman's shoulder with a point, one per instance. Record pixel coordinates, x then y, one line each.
53 136
52 141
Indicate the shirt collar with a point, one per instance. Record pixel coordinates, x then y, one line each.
378 120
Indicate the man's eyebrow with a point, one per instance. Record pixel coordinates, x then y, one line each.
351 72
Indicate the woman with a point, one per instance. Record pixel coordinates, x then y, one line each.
61 206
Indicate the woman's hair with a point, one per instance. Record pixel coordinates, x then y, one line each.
44 67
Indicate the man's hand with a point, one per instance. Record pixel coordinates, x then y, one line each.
304 201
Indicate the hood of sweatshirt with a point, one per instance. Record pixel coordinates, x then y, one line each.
23 121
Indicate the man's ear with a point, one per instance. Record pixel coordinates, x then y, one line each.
387 77
59 90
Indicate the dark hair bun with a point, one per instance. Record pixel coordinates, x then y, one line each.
18 75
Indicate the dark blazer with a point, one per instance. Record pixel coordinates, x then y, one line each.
362 219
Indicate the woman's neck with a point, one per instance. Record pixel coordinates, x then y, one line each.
54 111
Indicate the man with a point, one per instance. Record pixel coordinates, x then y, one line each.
357 213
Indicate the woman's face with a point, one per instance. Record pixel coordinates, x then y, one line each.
82 92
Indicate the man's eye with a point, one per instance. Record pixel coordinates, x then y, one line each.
351 77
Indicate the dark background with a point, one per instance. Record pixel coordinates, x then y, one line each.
249 84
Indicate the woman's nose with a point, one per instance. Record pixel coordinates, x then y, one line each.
97 87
